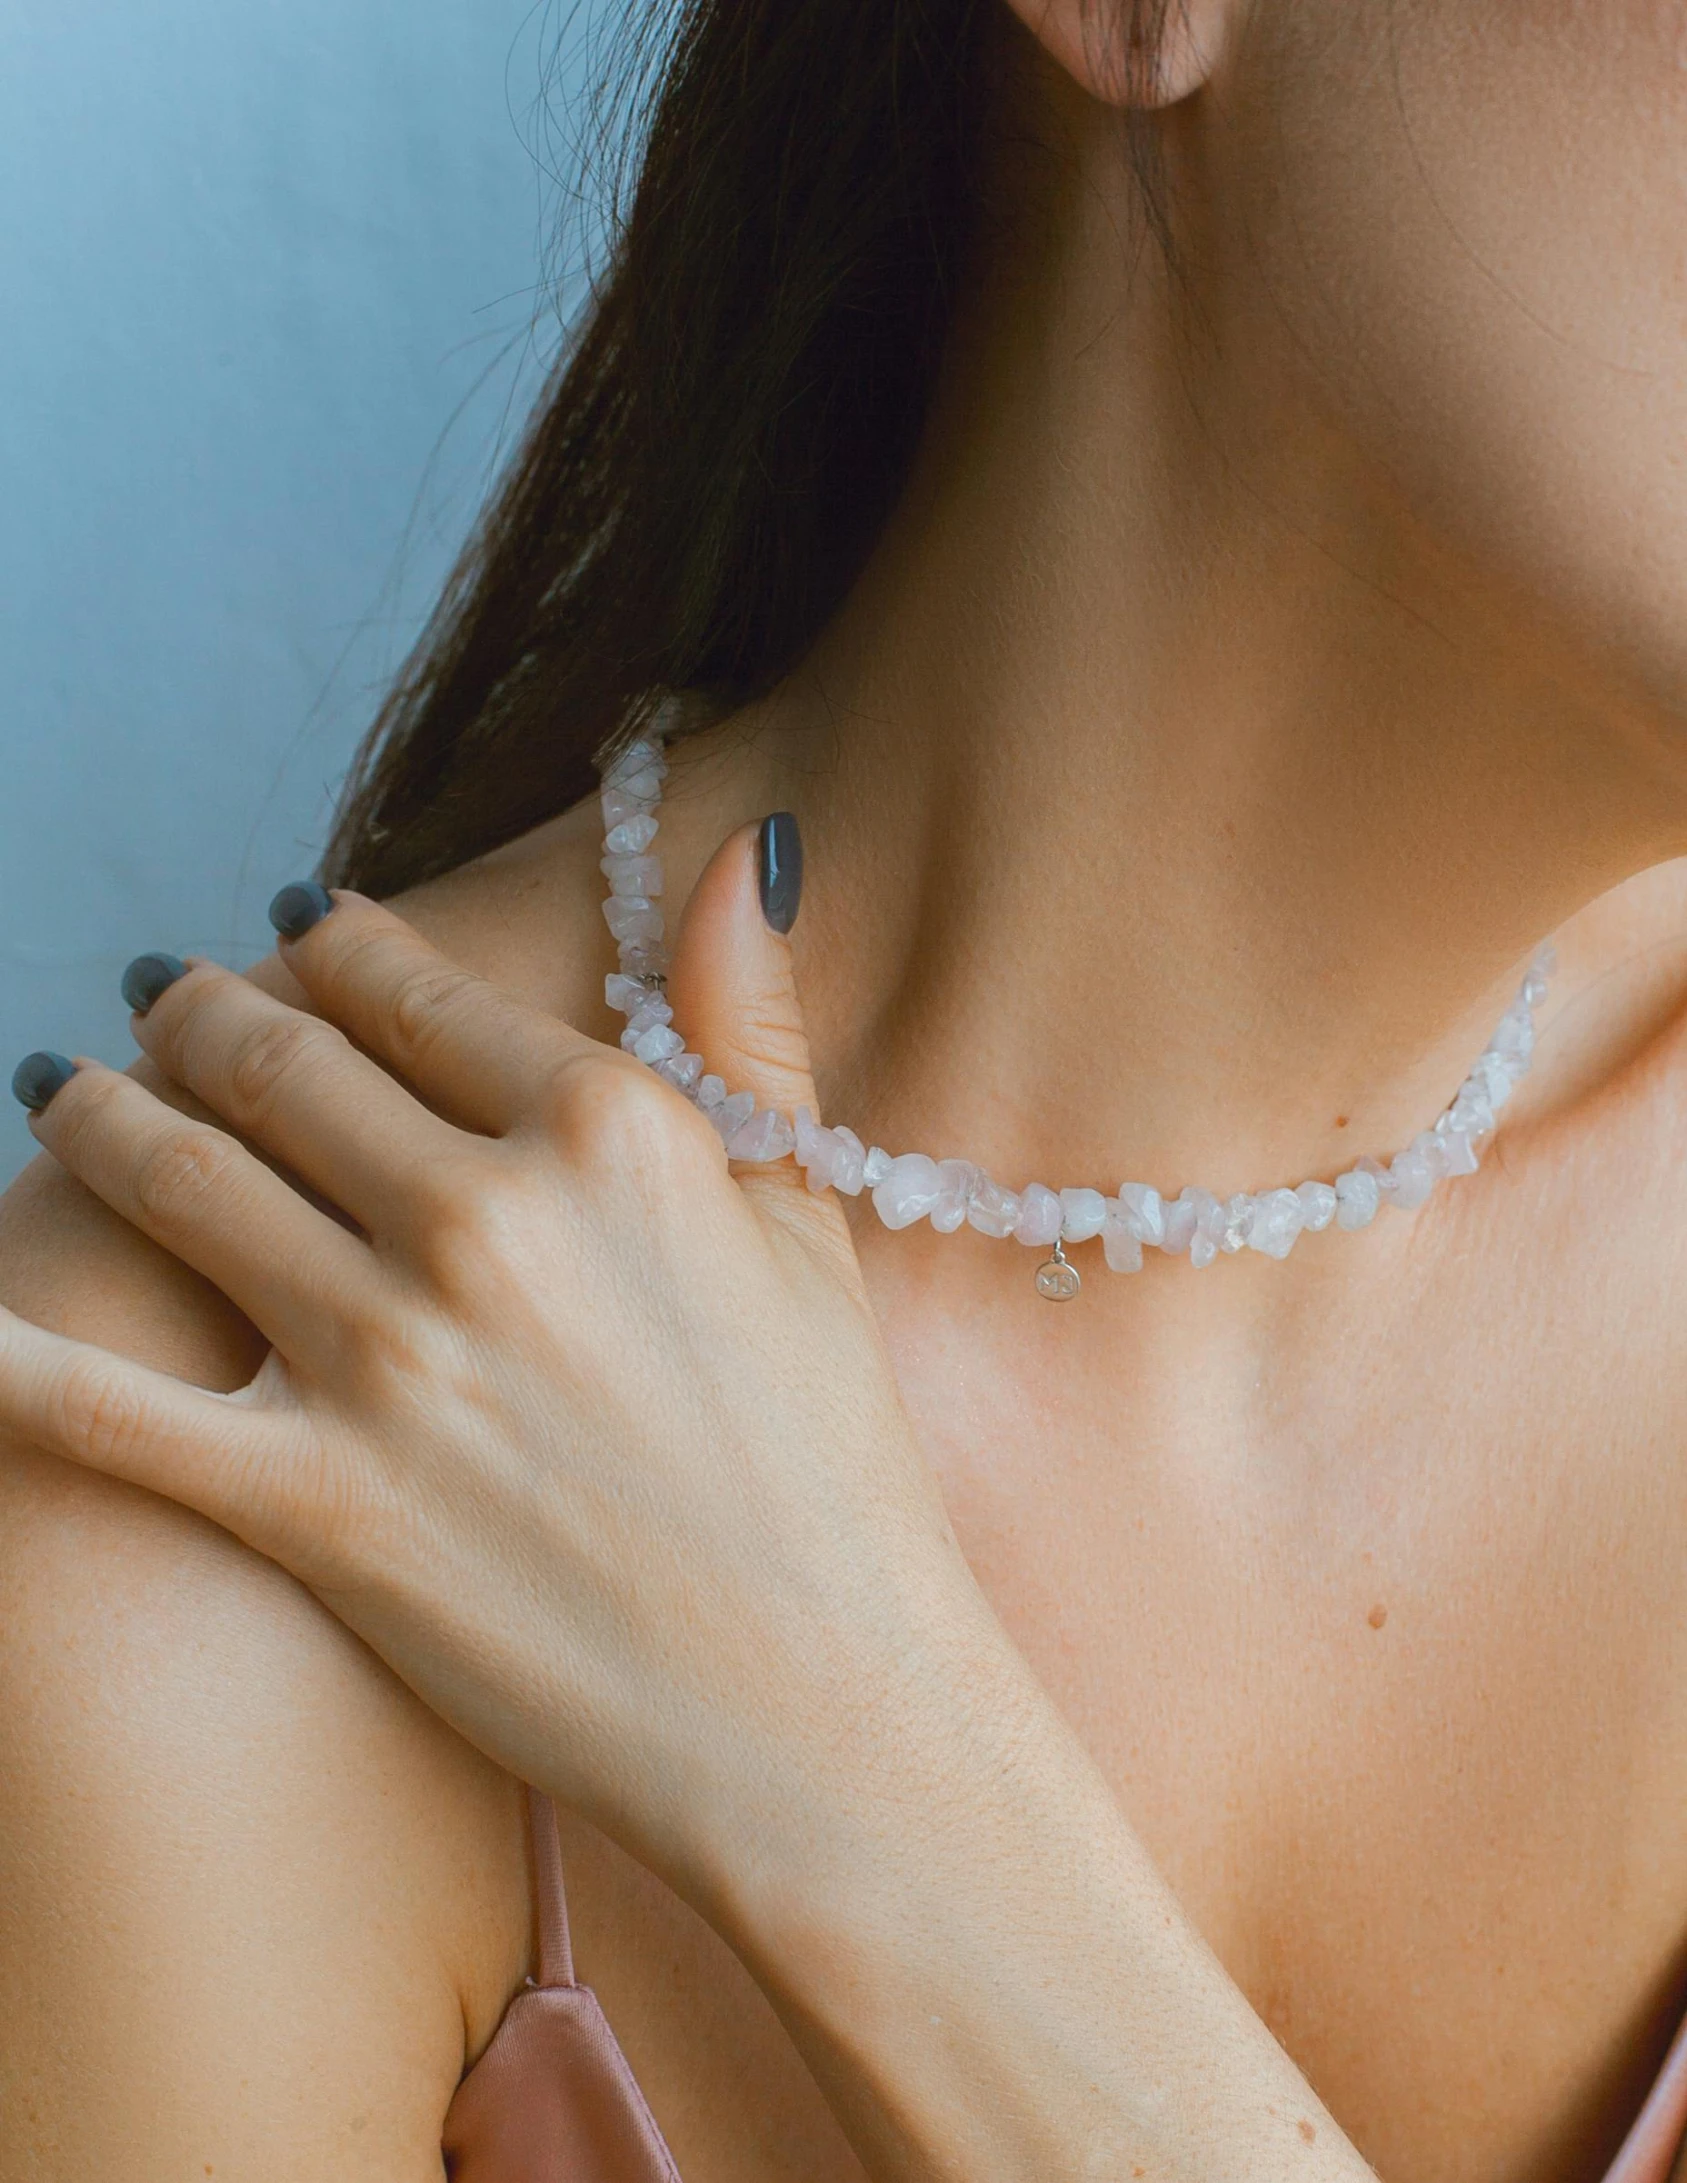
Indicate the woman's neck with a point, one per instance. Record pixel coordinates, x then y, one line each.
1178 804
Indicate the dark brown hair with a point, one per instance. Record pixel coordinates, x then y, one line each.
729 426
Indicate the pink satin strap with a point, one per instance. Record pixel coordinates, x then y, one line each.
553 2099
1649 2153
556 1950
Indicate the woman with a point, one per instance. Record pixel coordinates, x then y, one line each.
1184 508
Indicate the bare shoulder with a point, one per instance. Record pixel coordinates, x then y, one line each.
256 1903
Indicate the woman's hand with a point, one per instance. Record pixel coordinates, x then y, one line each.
596 1445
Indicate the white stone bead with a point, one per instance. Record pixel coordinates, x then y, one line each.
909 1191
620 808
732 1113
681 1071
1493 1079
632 875
631 838
1143 1211
711 1090
1429 1145
957 1178
624 994
1457 1151
1209 1226
632 917
814 1144
875 1167
849 1161
1471 1113
817 1168
1534 989
992 1210
658 1043
1381 1175
1040 1215
1121 1246
765 1136
1238 1222
1278 1218
643 959
1357 1198
1082 1213
820 1152
638 771
1317 1206
1515 1036
643 754
1414 1179
652 1010
1178 1222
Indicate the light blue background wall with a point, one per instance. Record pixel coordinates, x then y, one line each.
253 258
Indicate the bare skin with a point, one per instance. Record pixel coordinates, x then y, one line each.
1184 819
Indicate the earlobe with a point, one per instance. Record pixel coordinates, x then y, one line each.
1132 52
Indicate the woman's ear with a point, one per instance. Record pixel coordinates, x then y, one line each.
1132 52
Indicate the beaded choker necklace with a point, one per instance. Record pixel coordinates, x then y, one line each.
955 1193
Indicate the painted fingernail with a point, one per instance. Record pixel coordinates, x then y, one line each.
298 907
38 1078
779 869
148 976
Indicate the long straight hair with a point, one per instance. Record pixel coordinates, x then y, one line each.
728 428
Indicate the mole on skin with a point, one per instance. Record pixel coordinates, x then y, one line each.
1377 1617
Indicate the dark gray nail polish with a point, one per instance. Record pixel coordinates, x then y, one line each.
148 976
779 869
38 1078
298 907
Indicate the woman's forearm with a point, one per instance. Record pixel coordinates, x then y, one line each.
601 1449
988 1976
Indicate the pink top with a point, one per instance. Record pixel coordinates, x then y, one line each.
554 2100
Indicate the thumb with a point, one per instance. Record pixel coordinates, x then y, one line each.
734 994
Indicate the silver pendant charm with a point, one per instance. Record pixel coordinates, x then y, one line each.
1058 1280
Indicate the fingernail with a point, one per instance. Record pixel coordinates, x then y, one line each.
298 907
779 869
148 976
38 1078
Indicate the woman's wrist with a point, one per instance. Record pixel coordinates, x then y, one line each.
984 1970
888 1909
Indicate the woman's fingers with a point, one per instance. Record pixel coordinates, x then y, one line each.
217 1453
298 1088
293 1271
475 1053
735 998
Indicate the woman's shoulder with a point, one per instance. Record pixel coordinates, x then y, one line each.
255 1902
276 1901
274 1897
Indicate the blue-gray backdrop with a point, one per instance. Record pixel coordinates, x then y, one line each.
272 282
